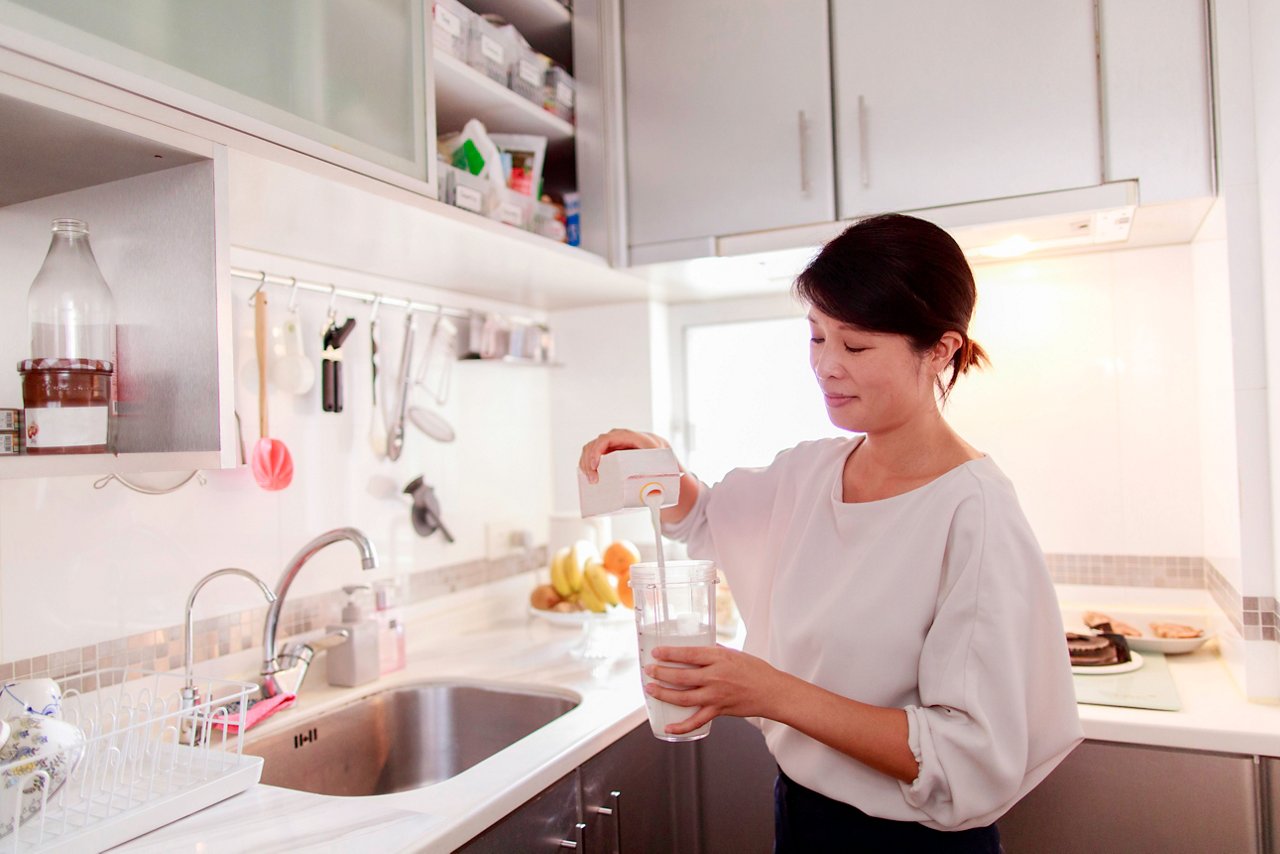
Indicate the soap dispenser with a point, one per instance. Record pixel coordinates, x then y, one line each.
356 661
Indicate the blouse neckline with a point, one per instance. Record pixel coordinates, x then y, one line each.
837 488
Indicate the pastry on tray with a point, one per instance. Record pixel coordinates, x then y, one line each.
1175 631
1096 620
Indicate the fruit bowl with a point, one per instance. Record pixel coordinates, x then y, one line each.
578 619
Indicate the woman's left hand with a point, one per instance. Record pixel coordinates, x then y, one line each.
721 681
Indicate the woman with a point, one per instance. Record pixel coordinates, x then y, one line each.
904 646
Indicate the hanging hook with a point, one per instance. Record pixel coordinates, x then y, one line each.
262 283
373 312
293 293
333 299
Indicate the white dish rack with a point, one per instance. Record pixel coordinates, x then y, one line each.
147 761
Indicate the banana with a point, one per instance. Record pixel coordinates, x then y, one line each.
579 554
590 601
597 581
559 575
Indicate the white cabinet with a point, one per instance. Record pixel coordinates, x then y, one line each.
338 77
728 121
940 103
155 202
1157 103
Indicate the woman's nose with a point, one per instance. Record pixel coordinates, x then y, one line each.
825 363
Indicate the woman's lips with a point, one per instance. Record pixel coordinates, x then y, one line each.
838 399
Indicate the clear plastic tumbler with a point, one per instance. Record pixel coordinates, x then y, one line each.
678 610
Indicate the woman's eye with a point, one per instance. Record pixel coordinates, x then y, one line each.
849 349
815 340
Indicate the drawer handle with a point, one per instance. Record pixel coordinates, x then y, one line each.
575 843
615 798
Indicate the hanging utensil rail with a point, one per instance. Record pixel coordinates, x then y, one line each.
264 278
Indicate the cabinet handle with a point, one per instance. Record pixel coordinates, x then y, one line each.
864 170
804 153
615 797
579 831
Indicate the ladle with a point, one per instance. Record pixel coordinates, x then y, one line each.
271 463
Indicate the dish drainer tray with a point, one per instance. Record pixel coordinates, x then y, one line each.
148 759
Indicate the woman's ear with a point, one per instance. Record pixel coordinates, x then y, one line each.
941 353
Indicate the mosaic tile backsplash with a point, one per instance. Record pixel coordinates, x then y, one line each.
162 649
1256 618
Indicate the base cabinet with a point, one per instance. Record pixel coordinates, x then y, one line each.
645 796
1124 797
541 825
629 796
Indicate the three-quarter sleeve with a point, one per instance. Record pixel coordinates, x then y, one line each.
997 705
737 524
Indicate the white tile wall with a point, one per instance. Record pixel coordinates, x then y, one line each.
78 565
1090 404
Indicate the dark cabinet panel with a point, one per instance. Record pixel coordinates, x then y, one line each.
538 826
735 789
1124 797
648 814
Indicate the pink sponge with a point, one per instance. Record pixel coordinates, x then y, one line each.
259 710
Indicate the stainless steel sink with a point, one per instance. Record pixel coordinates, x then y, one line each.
404 738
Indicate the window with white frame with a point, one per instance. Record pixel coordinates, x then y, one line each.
748 394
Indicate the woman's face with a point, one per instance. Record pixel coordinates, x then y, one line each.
871 382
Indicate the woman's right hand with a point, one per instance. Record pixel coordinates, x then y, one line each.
616 440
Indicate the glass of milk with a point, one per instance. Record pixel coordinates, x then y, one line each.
675 606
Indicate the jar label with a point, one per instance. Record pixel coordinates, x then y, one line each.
564 94
448 21
492 50
511 214
468 198
66 426
529 73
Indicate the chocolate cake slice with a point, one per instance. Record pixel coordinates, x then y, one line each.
1097 650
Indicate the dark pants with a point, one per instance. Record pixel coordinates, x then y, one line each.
806 822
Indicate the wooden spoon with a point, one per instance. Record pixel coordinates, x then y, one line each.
271 463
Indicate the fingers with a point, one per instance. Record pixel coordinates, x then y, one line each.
697 655
684 677
702 716
677 696
616 439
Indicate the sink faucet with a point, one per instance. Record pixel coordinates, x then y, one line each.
296 661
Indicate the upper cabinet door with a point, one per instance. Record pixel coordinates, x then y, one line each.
347 74
728 117
939 102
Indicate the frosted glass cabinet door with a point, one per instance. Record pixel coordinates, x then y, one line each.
346 73
940 103
728 116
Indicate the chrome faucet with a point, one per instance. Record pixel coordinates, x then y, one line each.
295 660
191 731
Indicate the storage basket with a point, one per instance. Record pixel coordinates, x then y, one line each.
529 75
145 761
451 27
561 91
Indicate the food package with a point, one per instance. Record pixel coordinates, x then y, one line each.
522 158
473 150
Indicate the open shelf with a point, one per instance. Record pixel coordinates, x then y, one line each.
47 152
546 24
463 93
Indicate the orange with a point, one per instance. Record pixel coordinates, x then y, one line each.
619 556
626 595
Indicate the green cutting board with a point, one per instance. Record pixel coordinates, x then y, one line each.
1149 687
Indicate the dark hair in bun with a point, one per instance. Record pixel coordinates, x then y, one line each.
901 275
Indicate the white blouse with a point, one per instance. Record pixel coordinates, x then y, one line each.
936 601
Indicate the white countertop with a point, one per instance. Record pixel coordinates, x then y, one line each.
487 634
